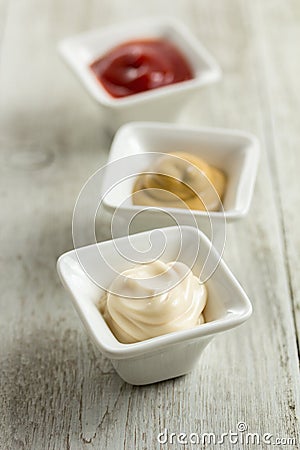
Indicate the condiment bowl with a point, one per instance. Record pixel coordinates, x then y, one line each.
136 144
163 103
88 271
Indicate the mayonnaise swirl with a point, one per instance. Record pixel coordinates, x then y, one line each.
183 182
153 299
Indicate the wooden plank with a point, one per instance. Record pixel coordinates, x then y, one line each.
4 4
280 73
56 390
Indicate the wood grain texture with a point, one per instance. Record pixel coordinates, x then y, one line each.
280 67
57 392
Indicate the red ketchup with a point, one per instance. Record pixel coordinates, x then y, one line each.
141 65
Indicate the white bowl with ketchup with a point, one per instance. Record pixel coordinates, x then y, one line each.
142 70
88 272
136 145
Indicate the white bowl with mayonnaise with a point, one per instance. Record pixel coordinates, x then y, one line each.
164 103
235 153
88 272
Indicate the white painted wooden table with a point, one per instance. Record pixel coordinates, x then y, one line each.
56 392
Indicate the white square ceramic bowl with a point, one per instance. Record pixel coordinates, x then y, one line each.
234 152
158 104
172 354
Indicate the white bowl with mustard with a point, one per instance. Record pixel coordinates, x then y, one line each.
220 163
